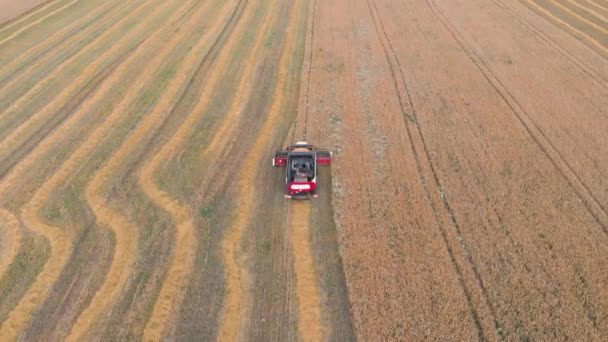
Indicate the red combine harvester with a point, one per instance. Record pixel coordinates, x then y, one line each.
301 161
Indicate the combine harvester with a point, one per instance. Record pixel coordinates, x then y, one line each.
301 161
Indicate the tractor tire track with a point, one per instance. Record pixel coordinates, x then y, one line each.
36 22
10 24
542 36
583 192
17 70
16 137
435 203
310 327
185 246
237 277
126 239
598 47
60 243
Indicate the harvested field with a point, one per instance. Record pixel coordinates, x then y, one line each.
17 11
467 197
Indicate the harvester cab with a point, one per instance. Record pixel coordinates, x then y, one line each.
301 161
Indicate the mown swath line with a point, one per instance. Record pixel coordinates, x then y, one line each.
126 239
70 107
120 225
26 16
7 181
588 10
36 22
579 17
597 5
570 28
310 327
17 105
185 246
594 206
542 36
179 211
236 275
16 138
19 69
61 244
12 238
20 316
394 68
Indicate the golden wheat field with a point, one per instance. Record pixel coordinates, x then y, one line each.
467 197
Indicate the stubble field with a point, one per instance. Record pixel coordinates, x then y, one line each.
467 200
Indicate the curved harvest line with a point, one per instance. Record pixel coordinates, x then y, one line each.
182 260
126 236
30 25
27 15
17 134
236 274
48 142
61 248
580 17
38 49
570 27
120 226
310 327
13 237
60 243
